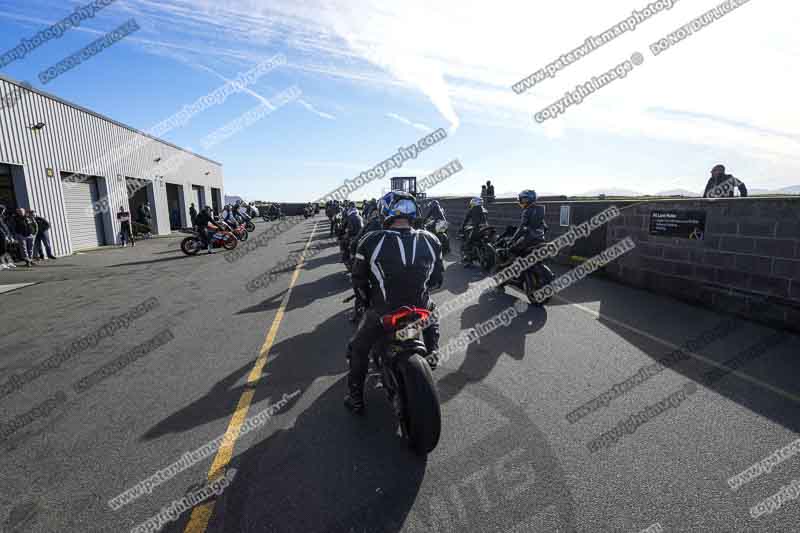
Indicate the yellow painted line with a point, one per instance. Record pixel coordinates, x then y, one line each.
201 514
742 375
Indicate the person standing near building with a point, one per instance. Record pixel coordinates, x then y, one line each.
6 239
24 227
125 233
489 191
42 237
193 216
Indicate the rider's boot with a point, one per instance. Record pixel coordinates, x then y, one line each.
431 337
355 396
358 367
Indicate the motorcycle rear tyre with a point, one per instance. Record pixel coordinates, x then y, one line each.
230 242
423 410
187 248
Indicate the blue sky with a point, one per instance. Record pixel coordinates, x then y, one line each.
378 75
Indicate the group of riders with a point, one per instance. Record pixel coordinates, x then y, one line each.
395 262
234 218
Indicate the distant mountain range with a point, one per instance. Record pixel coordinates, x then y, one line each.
679 192
794 189
611 192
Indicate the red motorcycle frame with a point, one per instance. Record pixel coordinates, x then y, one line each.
219 239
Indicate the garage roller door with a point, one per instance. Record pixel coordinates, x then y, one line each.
199 197
85 229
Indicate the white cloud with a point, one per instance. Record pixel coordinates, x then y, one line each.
315 110
404 120
464 57
242 88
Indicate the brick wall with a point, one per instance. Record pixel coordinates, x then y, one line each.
504 213
750 250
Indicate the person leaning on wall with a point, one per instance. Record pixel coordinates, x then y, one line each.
721 185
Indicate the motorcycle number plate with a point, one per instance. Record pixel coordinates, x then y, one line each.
408 333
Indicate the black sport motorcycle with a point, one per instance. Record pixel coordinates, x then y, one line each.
403 372
530 280
483 251
247 223
439 228
346 248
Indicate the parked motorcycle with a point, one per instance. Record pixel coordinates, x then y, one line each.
240 231
244 221
529 281
141 231
338 220
272 213
192 244
482 252
346 246
406 377
439 228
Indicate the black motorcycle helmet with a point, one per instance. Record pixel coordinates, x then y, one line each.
398 204
527 198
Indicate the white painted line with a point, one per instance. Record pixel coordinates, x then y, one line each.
755 381
13 287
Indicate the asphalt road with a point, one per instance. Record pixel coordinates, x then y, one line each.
509 460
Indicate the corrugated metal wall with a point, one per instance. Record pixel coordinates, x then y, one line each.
74 138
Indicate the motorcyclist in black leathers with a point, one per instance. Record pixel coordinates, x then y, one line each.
532 227
394 267
203 220
353 223
368 207
331 208
478 218
435 212
373 223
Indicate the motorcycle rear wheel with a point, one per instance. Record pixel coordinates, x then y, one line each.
249 226
190 245
532 284
229 242
445 243
487 257
423 412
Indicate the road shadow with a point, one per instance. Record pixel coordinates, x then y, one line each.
296 362
640 317
305 294
171 251
155 261
320 260
330 471
457 278
317 238
482 355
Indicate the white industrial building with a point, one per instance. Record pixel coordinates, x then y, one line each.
46 143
